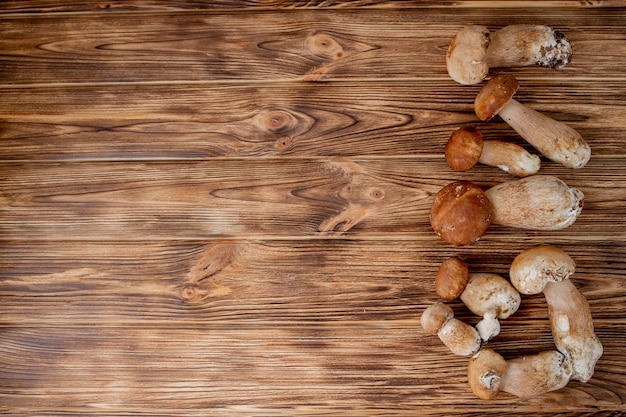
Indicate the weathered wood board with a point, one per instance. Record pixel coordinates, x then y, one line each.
221 208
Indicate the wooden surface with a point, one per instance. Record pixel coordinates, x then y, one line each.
221 208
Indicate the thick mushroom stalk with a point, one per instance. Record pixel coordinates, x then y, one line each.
538 202
525 45
525 377
473 50
547 269
466 147
554 139
461 338
487 295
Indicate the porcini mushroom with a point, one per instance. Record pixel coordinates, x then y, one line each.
554 139
461 213
548 269
466 147
484 373
465 56
487 295
527 376
524 45
473 50
538 202
461 338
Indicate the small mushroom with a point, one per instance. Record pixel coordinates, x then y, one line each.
466 148
525 45
555 140
461 213
527 376
461 338
487 295
547 269
473 50
538 202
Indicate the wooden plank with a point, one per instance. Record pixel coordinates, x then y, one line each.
369 198
277 327
265 371
282 283
53 6
295 45
391 118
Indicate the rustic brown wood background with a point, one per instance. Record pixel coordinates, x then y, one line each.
221 207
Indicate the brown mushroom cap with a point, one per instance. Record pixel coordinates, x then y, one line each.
464 148
451 278
466 50
435 316
461 213
484 373
494 96
534 267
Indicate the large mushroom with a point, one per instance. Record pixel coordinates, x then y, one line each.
461 212
487 295
548 269
554 139
461 338
466 147
489 374
473 50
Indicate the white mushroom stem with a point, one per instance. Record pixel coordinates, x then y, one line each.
554 139
523 45
491 297
572 327
532 375
538 202
461 338
547 269
510 158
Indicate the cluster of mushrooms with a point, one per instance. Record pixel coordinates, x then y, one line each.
462 212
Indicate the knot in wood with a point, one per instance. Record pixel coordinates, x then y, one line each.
377 194
324 46
190 293
283 143
276 121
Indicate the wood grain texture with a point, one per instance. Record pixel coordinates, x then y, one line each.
371 198
138 6
227 317
263 45
283 119
221 207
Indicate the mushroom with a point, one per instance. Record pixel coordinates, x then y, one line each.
489 374
554 139
461 212
538 202
484 373
547 269
473 51
487 295
465 56
461 338
466 148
